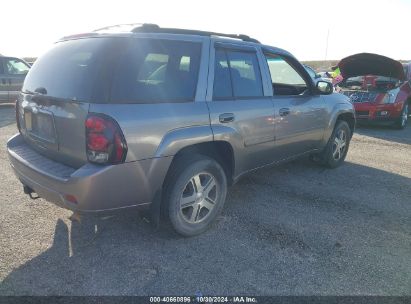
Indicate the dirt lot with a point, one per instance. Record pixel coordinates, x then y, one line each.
294 229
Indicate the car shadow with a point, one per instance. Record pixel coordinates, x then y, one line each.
125 255
386 133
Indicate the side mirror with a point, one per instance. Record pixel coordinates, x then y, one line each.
324 87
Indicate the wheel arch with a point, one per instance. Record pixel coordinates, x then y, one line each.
221 151
349 118
341 111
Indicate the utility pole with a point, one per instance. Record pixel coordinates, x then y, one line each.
326 44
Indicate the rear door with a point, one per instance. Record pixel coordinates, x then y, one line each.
16 70
300 116
4 91
239 103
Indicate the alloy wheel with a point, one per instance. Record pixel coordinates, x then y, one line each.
198 198
339 144
404 116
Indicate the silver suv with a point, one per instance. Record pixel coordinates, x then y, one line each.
166 119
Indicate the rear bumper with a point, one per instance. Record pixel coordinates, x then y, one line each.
95 188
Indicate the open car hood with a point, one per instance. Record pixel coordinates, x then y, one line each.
370 64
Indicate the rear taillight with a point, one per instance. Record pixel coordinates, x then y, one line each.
105 143
17 115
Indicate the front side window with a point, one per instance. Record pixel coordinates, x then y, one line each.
237 75
285 79
153 70
16 67
310 71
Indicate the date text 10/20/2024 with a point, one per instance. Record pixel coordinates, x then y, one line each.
203 299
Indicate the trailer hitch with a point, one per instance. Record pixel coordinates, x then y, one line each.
29 191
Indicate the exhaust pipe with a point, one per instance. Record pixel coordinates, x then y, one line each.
29 191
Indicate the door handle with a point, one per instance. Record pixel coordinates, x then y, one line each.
226 117
284 111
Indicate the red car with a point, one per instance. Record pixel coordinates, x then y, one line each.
379 87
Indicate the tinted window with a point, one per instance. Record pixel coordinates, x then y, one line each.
222 82
157 71
245 74
76 69
1 66
15 67
243 69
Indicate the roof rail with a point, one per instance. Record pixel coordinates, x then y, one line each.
132 25
154 28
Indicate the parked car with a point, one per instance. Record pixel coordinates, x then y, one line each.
166 119
379 87
326 76
12 73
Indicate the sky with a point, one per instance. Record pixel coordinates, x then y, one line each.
29 28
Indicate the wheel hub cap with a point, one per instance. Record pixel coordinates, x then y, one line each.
198 198
339 145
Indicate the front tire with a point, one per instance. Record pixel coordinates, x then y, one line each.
195 194
336 150
403 119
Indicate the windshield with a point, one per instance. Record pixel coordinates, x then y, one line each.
370 83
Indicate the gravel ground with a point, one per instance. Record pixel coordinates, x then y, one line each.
295 229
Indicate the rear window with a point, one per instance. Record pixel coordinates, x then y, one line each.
118 70
157 71
75 69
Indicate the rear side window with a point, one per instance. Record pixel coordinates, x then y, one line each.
155 70
1 66
237 74
222 80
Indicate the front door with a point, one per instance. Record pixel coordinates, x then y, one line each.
239 106
300 115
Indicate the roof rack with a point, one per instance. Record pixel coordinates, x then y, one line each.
117 26
154 28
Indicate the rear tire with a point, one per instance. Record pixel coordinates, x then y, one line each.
336 150
195 193
403 119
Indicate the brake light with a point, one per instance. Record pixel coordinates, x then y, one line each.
105 143
17 115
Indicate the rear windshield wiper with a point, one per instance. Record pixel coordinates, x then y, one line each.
39 90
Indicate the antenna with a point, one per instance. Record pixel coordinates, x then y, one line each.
326 44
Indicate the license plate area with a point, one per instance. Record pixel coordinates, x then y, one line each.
40 125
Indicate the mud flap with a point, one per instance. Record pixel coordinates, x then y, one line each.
153 214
